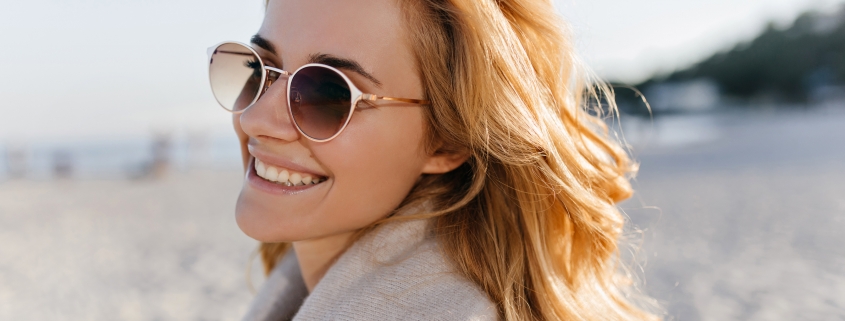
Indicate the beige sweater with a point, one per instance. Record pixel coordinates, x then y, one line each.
396 272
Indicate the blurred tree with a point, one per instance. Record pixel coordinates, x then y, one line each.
781 64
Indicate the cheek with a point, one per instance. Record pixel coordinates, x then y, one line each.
374 163
242 138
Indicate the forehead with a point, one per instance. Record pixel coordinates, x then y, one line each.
368 31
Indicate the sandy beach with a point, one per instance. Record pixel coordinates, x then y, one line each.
748 224
165 249
744 224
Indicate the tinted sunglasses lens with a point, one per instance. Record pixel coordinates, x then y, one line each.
235 73
320 101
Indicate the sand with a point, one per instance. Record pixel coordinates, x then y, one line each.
749 225
164 249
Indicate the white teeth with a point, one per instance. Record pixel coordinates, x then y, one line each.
283 176
260 169
295 179
272 174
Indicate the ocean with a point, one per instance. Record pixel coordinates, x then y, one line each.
117 158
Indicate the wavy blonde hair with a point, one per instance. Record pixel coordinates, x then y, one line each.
531 216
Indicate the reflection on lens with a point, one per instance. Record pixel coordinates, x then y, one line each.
320 101
235 74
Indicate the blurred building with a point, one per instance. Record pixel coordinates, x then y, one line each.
684 96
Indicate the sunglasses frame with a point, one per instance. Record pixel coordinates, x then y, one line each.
270 74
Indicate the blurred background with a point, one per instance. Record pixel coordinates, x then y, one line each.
119 173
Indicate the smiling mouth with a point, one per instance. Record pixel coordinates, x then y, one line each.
283 176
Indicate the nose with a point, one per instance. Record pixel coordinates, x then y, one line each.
269 116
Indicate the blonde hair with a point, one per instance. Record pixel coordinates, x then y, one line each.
531 216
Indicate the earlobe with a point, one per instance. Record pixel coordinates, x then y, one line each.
440 163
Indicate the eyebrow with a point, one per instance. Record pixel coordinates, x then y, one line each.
343 63
320 58
263 43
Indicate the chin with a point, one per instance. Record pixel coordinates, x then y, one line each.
264 225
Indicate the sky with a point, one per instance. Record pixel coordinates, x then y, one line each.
88 70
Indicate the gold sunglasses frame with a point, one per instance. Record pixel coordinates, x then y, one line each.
271 74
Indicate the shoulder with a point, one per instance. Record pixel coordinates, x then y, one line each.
399 273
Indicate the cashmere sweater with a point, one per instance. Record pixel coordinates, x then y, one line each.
395 272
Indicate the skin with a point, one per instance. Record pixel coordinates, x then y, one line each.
371 166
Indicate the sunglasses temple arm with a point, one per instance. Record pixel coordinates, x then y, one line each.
372 97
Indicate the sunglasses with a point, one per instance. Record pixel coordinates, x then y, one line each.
321 99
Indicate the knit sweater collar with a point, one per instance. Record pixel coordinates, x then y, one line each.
395 272
283 295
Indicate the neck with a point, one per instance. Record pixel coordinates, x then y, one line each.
316 256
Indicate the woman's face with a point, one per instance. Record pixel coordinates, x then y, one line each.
372 165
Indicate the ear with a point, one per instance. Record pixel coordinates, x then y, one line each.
444 162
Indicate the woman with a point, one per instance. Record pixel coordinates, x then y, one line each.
424 160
